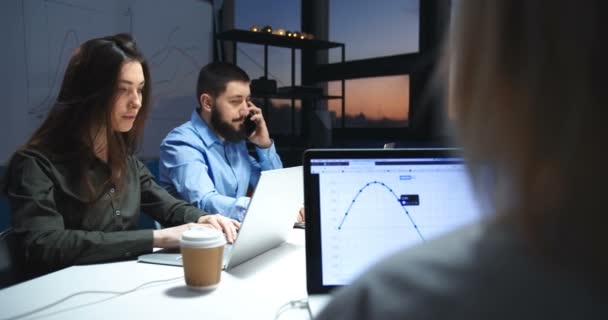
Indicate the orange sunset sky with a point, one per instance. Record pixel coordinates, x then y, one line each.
377 98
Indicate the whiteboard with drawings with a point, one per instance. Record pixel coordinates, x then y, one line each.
39 36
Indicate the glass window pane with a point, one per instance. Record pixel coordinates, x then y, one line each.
378 102
278 113
275 13
263 13
250 57
374 28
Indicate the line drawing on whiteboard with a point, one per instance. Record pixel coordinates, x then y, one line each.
52 30
168 51
175 63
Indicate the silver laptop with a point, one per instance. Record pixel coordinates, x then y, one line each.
270 216
378 202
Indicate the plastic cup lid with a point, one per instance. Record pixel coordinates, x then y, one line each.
203 237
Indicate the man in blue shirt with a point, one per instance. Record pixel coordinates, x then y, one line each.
205 160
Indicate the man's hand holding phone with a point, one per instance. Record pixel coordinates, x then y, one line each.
255 125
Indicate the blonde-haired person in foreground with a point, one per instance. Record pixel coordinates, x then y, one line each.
527 89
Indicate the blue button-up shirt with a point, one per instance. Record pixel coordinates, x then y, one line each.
197 166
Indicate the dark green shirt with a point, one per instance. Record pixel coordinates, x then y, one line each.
58 225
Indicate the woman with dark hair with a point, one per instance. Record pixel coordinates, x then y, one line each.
526 87
76 188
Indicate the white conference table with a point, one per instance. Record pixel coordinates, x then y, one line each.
255 289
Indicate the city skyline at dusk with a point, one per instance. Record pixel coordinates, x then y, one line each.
378 98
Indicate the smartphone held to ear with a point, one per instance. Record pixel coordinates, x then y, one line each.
250 125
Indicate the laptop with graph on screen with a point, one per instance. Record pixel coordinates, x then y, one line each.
365 204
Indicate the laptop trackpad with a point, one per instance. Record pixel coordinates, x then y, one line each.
172 259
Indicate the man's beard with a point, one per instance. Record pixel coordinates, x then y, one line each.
225 129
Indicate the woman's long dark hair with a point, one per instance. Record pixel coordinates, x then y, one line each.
83 111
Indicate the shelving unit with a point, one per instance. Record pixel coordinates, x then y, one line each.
268 39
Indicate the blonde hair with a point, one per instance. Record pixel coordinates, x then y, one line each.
525 88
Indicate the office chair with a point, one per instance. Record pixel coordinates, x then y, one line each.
11 264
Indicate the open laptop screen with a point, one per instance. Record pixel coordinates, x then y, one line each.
363 205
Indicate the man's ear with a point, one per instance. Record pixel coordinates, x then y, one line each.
206 101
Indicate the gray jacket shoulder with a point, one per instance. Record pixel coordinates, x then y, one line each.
480 271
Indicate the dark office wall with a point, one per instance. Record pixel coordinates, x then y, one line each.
4 212
38 37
